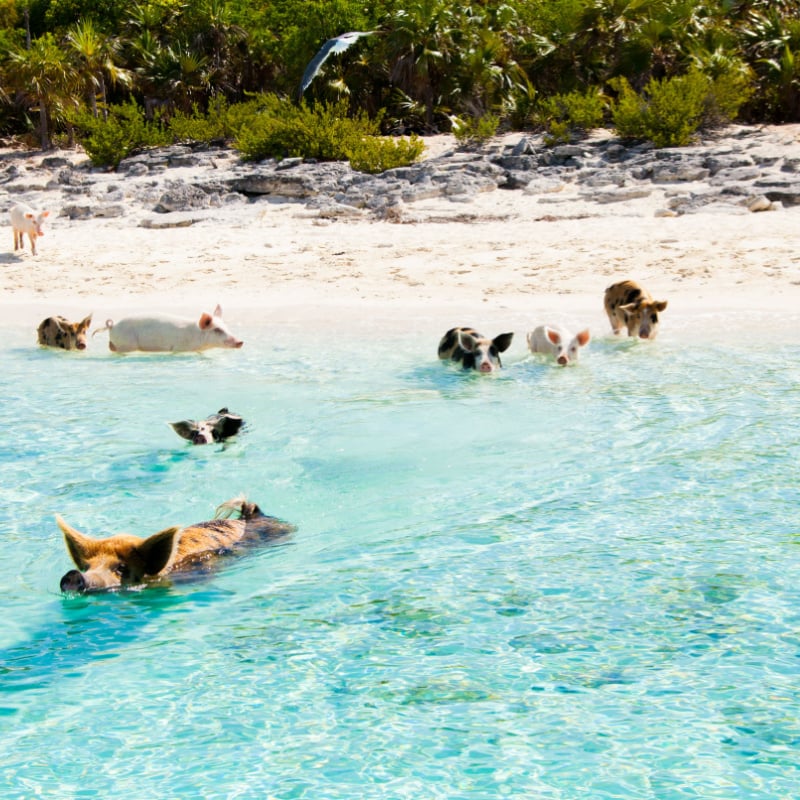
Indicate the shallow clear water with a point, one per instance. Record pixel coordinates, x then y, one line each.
550 583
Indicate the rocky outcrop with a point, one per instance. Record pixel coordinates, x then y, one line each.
744 169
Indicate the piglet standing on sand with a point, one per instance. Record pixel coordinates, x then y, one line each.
25 220
166 334
556 341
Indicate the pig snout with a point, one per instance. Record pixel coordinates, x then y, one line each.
563 360
485 367
73 581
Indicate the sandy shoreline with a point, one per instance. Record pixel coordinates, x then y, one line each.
505 259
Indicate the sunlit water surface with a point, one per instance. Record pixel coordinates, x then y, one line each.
549 583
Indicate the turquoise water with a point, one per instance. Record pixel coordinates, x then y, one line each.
548 583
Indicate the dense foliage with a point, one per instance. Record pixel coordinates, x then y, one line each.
656 69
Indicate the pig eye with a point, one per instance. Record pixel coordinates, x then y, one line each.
122 570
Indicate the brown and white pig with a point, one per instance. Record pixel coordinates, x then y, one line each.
558 342
472 350
167 334
126 560
25 220
60 332
631 306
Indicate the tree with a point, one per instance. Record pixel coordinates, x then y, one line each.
95 54
45 79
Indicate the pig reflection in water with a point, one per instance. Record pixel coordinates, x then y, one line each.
127 560
166 334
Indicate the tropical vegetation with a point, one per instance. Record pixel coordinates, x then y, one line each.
120 75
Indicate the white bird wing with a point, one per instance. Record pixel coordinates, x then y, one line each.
336 45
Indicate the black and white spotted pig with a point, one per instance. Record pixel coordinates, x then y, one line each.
631 306
472 350
60 332
216 428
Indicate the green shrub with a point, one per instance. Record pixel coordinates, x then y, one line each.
566 116
282 129
378 153
729 92
125 131
286 130
222 121
670 112
474 130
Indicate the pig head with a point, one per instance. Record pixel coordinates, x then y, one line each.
216 428
60 332
629 305
125 560
556 341
473 350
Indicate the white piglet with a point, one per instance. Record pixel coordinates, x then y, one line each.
25 220
166 334
556 341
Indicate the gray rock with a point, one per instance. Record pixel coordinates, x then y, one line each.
679 173
77 212
181 197
136 170
288 163
54 162
110 210
759 203
782 189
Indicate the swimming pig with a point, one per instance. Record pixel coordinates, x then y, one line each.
161 333
125 560
60 332
472 350
556 341
216 428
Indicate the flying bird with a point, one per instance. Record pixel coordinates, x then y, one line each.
336 45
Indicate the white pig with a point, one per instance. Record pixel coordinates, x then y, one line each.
25 220
165 334
558 342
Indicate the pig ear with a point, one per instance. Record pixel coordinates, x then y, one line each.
183 428
28 215
503 341
583 337
206 321
85 323
660 305
158 550
218 310
45 213
79 546
552 335
466 341
230 425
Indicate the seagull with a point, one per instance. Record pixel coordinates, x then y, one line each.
336 45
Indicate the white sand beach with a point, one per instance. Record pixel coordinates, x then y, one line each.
507 259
